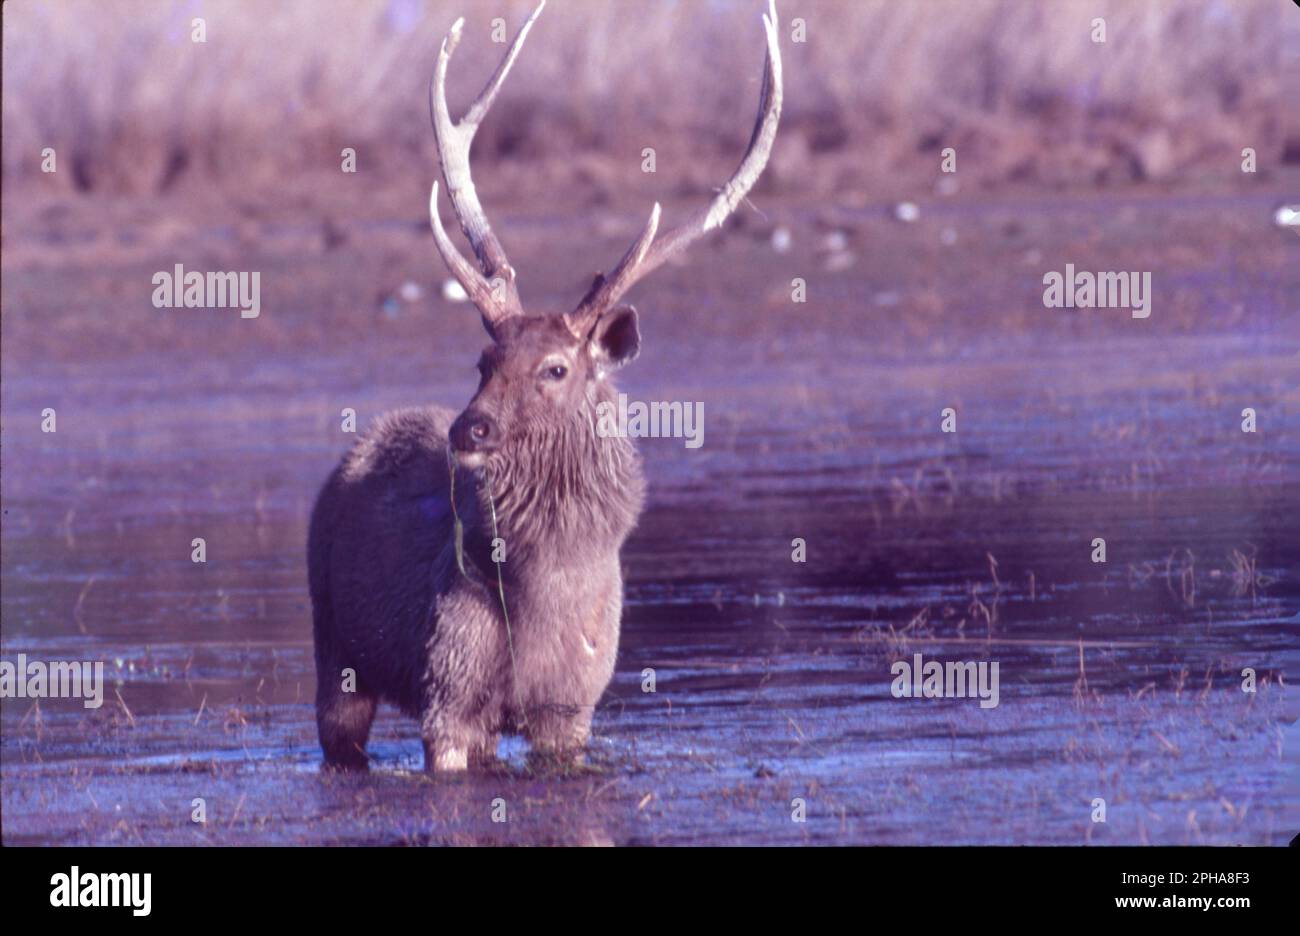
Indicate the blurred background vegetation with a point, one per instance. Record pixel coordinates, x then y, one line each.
132 105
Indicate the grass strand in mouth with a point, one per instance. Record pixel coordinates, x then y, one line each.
459 528
459 537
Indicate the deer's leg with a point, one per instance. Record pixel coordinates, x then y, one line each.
448 752
485 752
444 756
558 734
453 743
461 717
344 709
343 721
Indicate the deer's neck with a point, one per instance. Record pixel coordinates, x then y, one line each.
568 499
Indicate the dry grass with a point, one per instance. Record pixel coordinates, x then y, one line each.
131 104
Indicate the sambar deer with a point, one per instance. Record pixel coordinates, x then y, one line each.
410 604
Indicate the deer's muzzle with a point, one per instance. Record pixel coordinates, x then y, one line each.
473 432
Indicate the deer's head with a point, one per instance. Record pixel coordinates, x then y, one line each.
543 375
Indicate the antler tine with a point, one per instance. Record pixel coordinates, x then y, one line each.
478 110
645 256
476 286
493 290
606 289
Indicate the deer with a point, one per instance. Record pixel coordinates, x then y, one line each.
466 567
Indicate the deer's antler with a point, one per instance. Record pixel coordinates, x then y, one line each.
646 254
491 285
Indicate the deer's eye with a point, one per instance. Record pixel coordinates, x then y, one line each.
557 372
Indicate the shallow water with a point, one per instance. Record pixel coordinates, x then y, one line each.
1119 681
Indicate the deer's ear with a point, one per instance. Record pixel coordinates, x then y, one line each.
615 339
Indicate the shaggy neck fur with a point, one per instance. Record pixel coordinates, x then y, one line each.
563 494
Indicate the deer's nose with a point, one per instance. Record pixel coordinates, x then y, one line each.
473 432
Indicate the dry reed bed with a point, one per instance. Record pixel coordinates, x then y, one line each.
131 104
